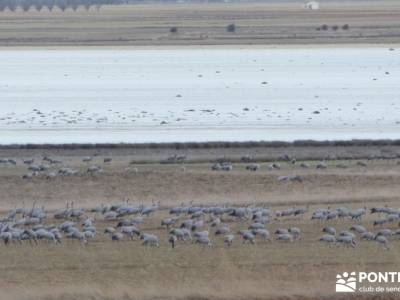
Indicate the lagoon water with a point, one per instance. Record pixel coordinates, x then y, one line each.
179 95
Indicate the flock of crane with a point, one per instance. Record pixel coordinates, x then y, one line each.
93 165
191 224
52 168
186 223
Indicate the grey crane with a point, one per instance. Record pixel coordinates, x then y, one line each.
264 233
295 232
130 231
228 239
222 230
329 230
248 236
182 234
346 240
150 240
369 236
286 237
358 228
172 240
383 241
116 236
203 240
167 222
328 238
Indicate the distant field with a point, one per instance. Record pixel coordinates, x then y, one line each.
198 24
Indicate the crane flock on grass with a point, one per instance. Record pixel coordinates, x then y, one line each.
94 165
206 226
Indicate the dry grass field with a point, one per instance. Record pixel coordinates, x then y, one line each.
102 269
269 23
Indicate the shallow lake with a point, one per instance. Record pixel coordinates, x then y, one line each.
167 95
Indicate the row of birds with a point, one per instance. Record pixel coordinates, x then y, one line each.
84 117
187 223
45 166
221 163
227 166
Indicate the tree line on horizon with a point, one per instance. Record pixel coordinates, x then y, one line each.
63 5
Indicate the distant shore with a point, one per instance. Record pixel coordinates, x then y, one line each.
270 23
209 152
360 45
211 145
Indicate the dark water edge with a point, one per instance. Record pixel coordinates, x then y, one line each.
211 145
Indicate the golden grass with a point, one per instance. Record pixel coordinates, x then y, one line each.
170 185
125 270
103 269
